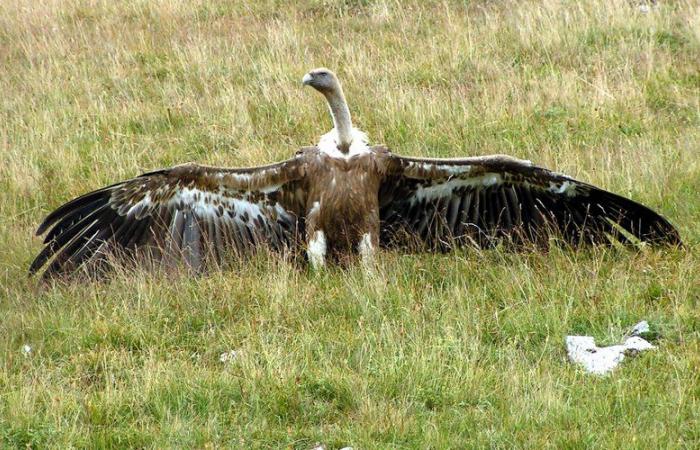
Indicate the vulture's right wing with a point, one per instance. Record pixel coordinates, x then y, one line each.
445 202
189 213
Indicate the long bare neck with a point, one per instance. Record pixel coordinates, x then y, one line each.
341 118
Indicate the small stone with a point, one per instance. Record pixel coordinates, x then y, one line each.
228 356
637 344
641 328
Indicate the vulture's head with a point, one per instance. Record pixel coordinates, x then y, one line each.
323 80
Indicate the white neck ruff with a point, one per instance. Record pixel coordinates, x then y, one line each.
328 144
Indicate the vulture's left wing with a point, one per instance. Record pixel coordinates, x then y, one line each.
189 213
440 203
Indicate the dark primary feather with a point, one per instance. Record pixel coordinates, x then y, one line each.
481 201
192 214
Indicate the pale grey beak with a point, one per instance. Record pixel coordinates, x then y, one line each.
307 79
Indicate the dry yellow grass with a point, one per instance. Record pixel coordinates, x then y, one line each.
462 350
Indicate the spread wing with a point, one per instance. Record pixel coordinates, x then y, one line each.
190 213
446 202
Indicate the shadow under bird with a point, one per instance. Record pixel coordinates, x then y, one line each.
336 199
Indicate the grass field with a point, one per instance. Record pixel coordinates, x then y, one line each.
460 350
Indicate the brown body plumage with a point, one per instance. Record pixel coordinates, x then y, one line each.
338 198
343 195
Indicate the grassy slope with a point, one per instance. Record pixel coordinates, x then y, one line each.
459 349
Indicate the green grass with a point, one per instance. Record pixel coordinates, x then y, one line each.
432 351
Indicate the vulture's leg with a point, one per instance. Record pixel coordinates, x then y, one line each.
316 249
366 248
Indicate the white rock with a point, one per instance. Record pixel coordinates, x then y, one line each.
601 360
635 344
229 356
640 328
645 6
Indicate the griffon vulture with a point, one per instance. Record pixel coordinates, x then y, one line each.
340 197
